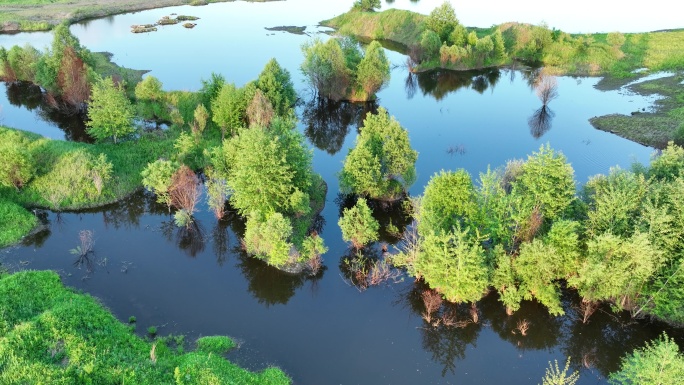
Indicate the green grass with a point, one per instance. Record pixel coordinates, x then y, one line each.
404 27
665 51
15 222
655 128
128 160
51 335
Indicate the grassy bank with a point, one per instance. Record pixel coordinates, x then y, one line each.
51 335
61 183
43 15
399 26
563 54
651 128
15 222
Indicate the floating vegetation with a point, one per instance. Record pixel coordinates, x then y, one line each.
289 28
143 28
167 21
189 25
186 18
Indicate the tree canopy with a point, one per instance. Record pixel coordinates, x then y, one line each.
382 164
110 113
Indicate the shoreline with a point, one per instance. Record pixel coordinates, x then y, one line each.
43 17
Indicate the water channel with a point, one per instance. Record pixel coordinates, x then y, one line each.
322 330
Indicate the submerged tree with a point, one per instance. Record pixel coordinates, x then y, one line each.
382 164
228 109
358 225
373 71
546 88
659 362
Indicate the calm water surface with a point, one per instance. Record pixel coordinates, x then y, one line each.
321 330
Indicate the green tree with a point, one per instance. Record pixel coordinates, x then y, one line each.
442 20
499 51
228 109
546 182
430 43
110 113
210 88
471 39
201 116
616 269
276 84
669 164
659 362
149 89
268 170
484 47
324 68
358 225
382 164
458 36
268 239
448 202
373 71
453 263
615 202
156 177
150 99
367 5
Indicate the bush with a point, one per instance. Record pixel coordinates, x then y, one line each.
382 164
110 113
78 178
679 136
215 344
358 225
448 201
659 362
15 222
156 177
16 162
453 263
268 239
669 164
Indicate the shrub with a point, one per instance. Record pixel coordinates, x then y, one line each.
110 113
215 344
156 177
269 239
184 191
453 263
78 178
358 225
15 222
382 164
448 201
16 163
659 362
669 164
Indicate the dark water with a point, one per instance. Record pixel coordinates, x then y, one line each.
322 330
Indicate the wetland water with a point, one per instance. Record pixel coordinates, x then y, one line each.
321 330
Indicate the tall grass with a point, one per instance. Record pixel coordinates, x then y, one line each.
397 25
15 222
665 51
51 335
